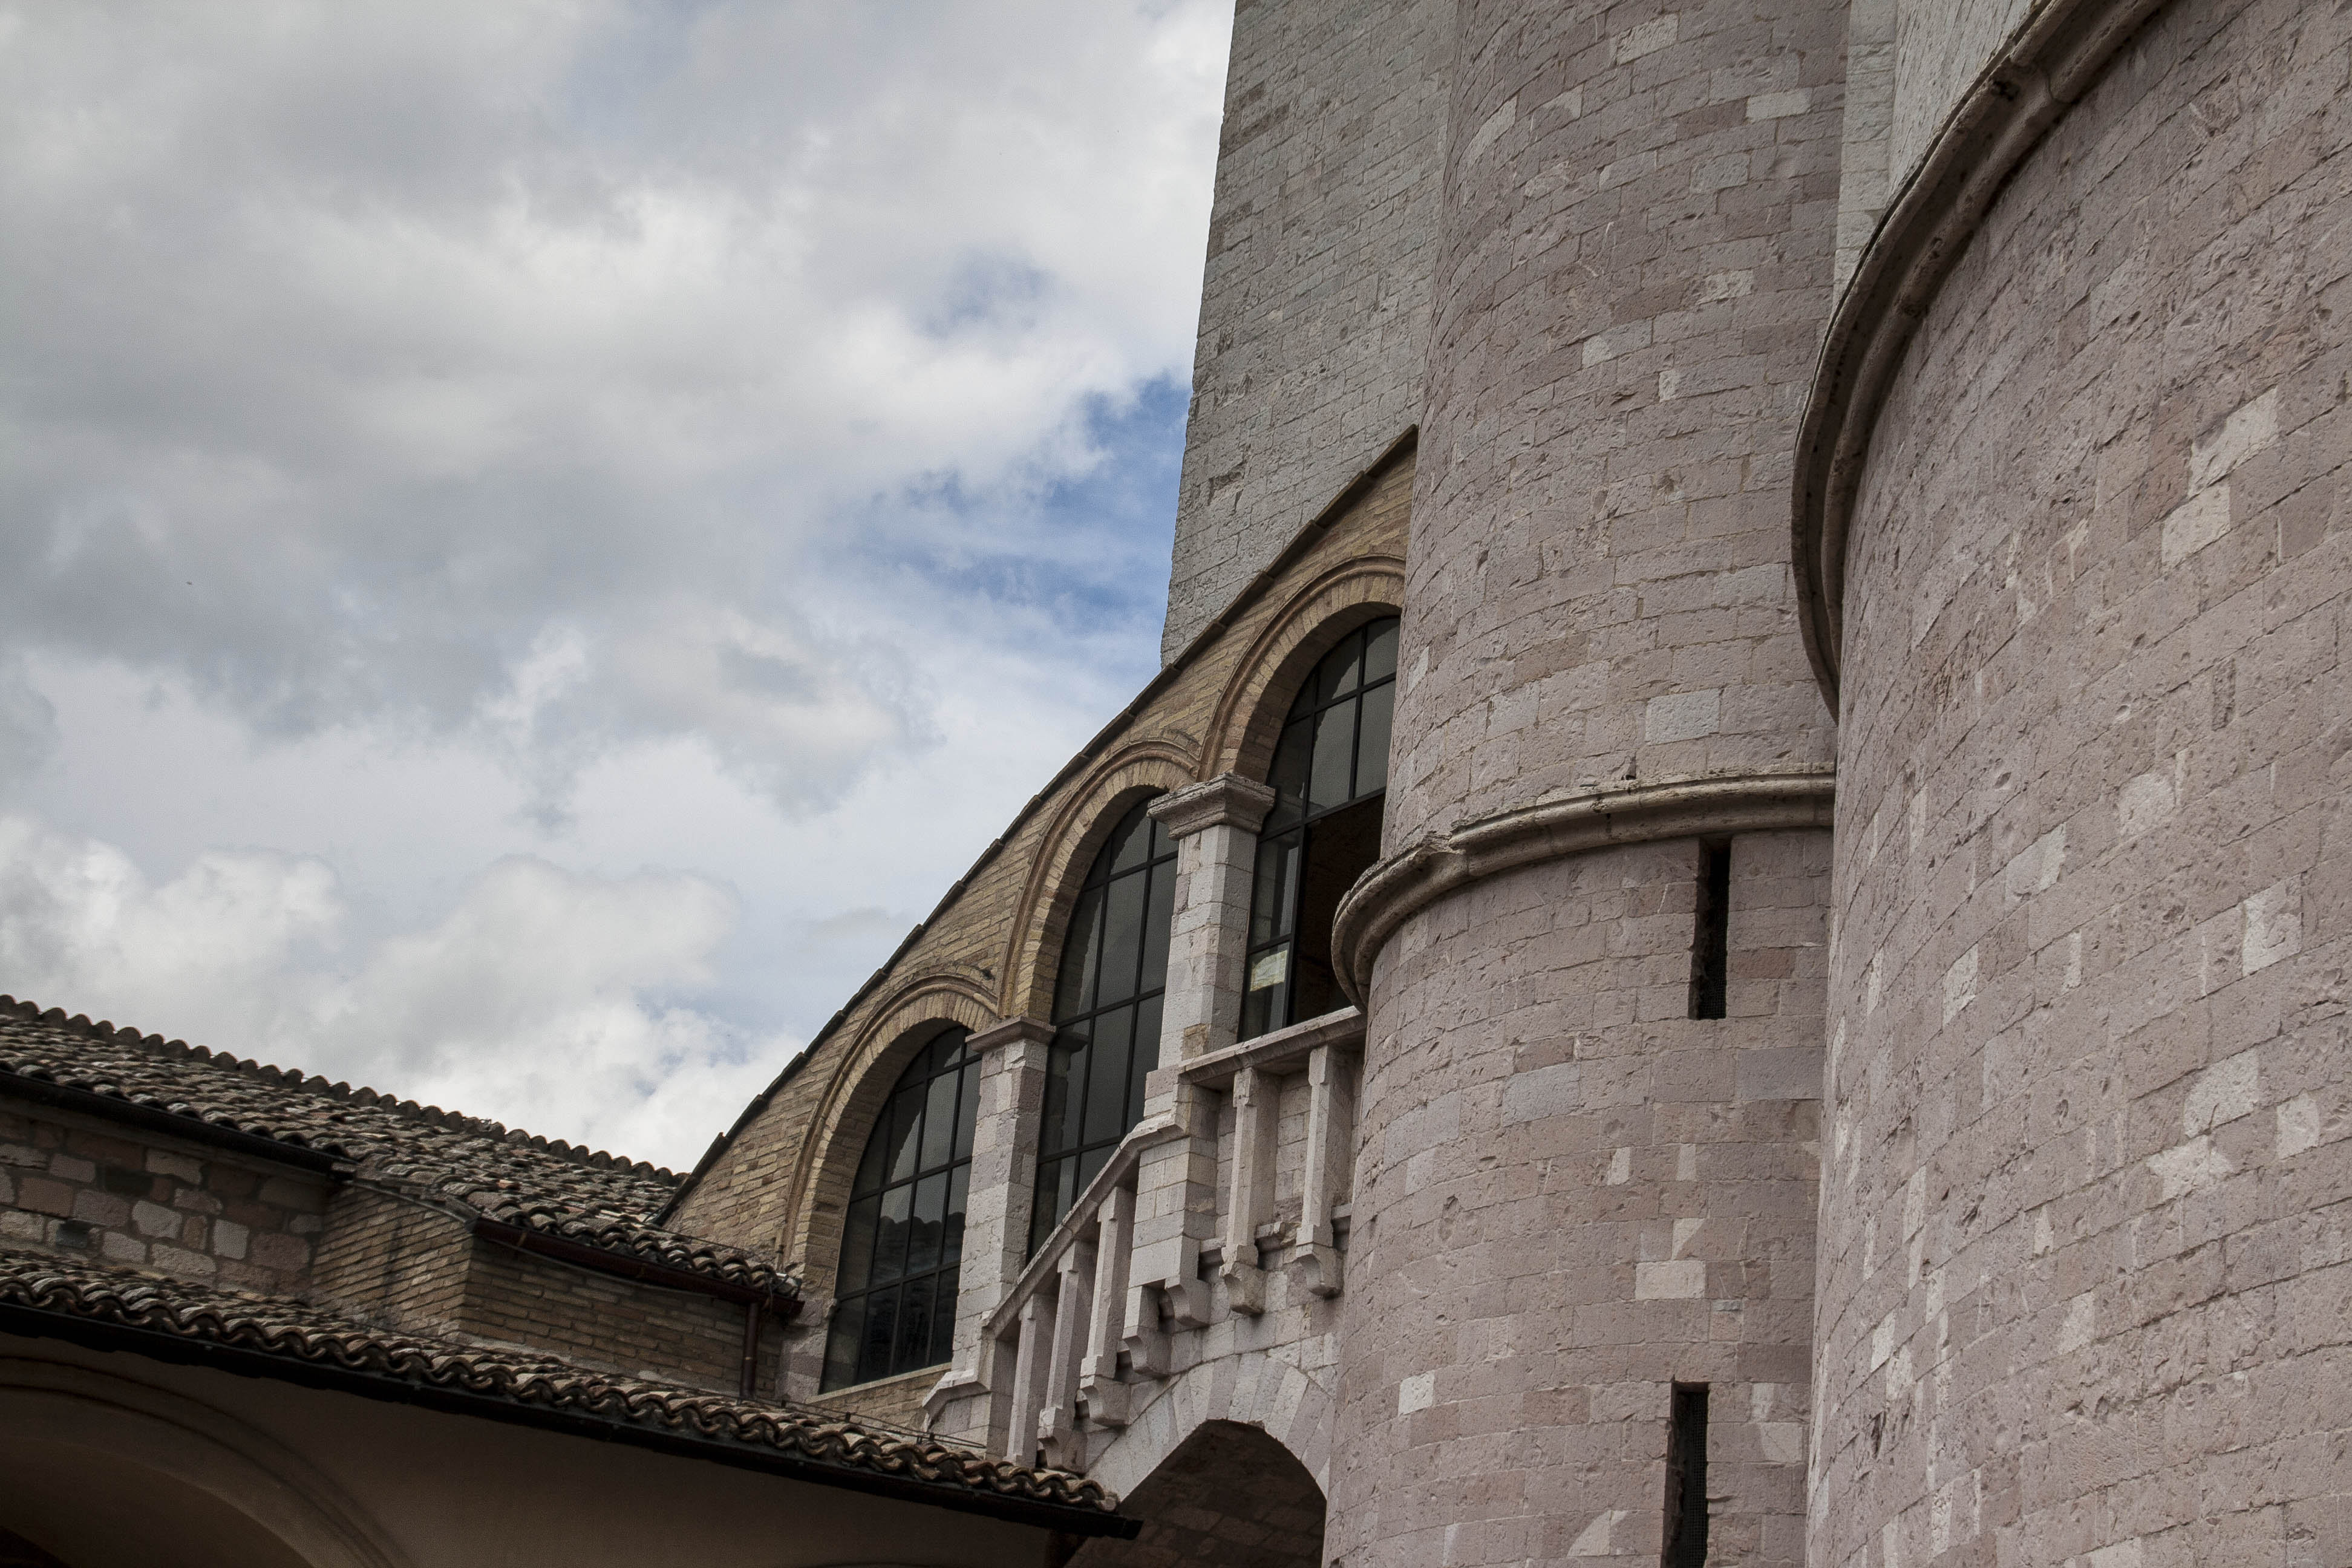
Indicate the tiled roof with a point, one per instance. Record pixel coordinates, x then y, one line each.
509 1175
310 1337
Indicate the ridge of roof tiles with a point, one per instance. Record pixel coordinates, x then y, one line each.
558 1189
297 1332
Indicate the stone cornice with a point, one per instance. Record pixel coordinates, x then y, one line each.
1410 880
1228 800
2048 63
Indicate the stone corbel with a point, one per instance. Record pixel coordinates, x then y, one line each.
1228 800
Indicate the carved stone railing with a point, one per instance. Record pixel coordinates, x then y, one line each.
1086 1334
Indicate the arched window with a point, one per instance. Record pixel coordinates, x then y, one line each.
1330 773
896 1292
1106 1013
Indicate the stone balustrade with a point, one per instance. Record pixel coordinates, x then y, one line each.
1099 1321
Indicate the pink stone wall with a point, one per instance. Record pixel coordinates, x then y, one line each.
1570 1197
1641 212
2088 1187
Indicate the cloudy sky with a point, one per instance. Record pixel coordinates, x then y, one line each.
537 539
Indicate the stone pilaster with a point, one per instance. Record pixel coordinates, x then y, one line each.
971 1401
1215 827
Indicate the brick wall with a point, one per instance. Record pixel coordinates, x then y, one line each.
603 1319
895 1400
393 1260
81 1185
2089 1172
1315 307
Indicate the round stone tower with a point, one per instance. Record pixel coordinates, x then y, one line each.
1593 960
2086 1182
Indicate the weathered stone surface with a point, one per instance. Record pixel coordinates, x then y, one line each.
1315 308
2086 1185
1570 1196
1640 217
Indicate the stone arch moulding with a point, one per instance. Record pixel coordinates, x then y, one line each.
1066 849
1250 710
204 1448
1266 1393
1442 864
2043 69
904 1023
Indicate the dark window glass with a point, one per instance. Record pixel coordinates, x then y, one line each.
1329 777
1107 1013
903 1235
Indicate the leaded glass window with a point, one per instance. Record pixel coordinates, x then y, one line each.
1330 776
1106 1013
900 1245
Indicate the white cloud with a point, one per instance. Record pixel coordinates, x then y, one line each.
542 998
453 458
375 350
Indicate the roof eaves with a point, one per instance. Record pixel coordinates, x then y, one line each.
464 1381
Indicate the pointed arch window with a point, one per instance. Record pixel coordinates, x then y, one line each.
895 1298
1330 776
1106 1013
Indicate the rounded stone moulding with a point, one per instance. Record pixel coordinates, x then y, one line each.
2048 62
1434 868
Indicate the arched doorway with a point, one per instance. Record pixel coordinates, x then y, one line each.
1228 1495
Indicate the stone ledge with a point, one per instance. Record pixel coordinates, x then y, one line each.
1286 1049
2048 63
1391 892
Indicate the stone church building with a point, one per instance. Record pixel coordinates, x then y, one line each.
1724 937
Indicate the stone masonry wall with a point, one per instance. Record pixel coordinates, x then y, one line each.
1640 219
77 1185
1570 1196
2087 1209
1940 46
1315 308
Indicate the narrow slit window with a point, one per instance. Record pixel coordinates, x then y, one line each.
1686 1478
1711 936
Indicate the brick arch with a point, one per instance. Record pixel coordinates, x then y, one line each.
1069 844
1252 1388
1249 714
843 1119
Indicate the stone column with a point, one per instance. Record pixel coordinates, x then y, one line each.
1215 827
972 1401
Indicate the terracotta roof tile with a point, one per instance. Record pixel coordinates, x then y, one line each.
305 1335
596 1199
